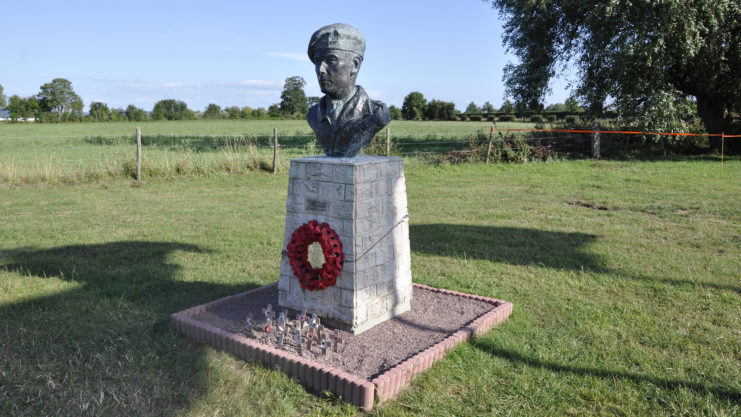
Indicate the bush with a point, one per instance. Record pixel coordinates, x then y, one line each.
536 118
506 118
491 118
475 118
463 117
551 118
572 119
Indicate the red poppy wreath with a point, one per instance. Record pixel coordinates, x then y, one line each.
312 278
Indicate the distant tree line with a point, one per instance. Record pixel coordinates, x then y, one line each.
416 107
58 102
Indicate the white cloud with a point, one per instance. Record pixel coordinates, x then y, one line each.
267 84
174 85
290 55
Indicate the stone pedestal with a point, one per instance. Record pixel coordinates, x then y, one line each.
363 199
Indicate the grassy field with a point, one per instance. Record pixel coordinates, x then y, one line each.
624 278
83 152
225 128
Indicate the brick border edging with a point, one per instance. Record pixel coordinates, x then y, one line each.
391 382
318 377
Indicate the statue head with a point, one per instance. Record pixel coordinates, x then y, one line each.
337 53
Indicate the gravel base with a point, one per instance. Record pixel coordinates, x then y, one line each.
432 318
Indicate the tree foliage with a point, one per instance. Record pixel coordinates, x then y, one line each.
293 101
628 52
556 108
3 100
171 109
23 108
232 112
213 111
135 114
488 108
274 111
15 107
439 110
413 106
395 112
472 108
507 107
312 100
99 111
59 99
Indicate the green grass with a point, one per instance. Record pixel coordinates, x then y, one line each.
83 152
624 278
27 131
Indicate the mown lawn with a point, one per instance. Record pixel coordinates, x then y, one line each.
624 278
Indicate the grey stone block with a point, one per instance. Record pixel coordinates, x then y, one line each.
362 198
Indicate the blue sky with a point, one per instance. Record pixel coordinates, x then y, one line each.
240 52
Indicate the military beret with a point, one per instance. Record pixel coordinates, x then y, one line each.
337 36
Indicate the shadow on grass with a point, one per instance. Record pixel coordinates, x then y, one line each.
527 247
105 346
672 384
512 245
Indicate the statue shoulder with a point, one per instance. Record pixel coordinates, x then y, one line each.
380 111
314 114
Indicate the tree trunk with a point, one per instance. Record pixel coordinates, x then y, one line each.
713 114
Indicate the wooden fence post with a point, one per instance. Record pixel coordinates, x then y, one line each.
595 141
722 150
275 150
388 141
488 147
138 154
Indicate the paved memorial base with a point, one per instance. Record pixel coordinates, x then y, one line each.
368 368
363 199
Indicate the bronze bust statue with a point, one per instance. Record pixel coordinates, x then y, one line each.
345 119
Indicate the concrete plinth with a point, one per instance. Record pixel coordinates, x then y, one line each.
363 199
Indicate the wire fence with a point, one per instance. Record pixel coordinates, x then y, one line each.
74 158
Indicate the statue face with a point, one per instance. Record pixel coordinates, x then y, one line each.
336 72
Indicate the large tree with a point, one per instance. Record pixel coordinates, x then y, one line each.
439 110
171 109
213 111
99 111
23 108
135 114
413 106
16 107
293 99
472 108
634 55
488 108
59 98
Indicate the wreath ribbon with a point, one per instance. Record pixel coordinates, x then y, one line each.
297 250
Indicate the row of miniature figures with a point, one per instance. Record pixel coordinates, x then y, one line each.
306 332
